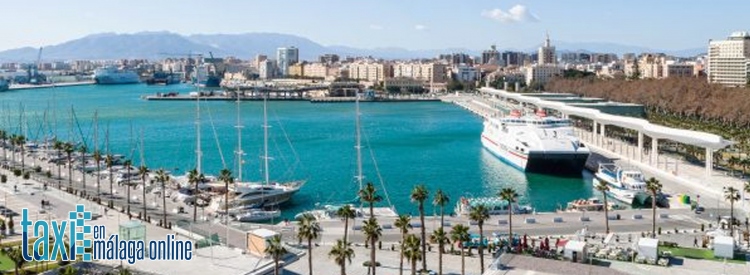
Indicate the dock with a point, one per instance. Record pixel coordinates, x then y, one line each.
18 87
221 97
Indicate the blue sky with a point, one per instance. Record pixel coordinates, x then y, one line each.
411 24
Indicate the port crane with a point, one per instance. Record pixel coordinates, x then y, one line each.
32 72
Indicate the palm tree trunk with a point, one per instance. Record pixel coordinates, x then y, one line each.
372 255
424 238
731 216
401 252
144 198
164 203
343 268
98 180
463 262
309 255
413 267
653 215
510 224
111 183
195 202
70 173
276 265
346 231
606 214
481 248
442 216
226 203
440 257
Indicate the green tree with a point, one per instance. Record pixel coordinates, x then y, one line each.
308 229
654 187
16 257
412 252
195 178
441 238
420 194
71 270
341 254
604 188
276 250
373 232
510 196
346 212
480 214
143 172
226 176
369 195
732 195
403 223
162 177
460 235
440 200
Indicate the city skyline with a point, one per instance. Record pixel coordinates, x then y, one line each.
413 25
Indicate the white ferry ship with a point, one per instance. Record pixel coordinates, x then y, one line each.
113 75
535 143
624 184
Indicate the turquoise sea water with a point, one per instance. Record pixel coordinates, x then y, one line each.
426 142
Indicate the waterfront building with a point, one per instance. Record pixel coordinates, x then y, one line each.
546 53
465 73
426 72
318 70
513 58
541 73
729 60
403 84
675 69
258 59
285 58
296 69
267 69
370 71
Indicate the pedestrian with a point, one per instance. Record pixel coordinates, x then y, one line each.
695 241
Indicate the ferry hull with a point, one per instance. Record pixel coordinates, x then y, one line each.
539 162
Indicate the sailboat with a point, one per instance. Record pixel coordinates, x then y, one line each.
330 211
254 195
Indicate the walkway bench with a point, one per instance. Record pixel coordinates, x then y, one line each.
530 221
557 219
637 216
585 219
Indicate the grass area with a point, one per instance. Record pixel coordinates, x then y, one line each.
700 254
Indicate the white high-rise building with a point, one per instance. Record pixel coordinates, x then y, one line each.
547 53
286 57
729 60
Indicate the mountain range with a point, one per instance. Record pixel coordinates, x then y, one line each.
160 45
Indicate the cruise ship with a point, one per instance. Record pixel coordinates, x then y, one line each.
535 143
113 75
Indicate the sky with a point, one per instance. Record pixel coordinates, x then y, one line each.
410 24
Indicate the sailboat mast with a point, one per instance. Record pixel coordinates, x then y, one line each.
265 137
198 132
239 140
96 131
358 145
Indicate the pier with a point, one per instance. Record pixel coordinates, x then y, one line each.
677 175
18 87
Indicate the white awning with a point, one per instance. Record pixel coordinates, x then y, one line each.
701 139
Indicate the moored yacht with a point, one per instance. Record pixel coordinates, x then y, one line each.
624 184
535 143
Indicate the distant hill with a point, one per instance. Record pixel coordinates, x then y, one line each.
159 45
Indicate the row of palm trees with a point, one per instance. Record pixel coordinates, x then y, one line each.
412 247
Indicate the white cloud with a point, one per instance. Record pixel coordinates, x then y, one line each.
376 27
517 13
420 27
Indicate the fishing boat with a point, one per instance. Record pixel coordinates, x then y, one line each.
591 204
624 183
535 143
494 205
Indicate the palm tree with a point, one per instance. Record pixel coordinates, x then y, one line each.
747 187
419 194
12 141
194 178
403 223
341 253
346 212
653 186
276 250
110 161
411 252
441 238
98 158
82 149
226 176
309 229
460 234
372 234
143 172
128 164
59 146
732 195
68 149
163 178
479 214
70 270
369 195
124 271
16 257
3 137
604 188
440 200
510 196
20 140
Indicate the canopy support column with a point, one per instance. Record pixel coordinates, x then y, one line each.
654 152
640 146
709 161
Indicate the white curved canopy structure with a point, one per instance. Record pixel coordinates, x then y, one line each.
702 139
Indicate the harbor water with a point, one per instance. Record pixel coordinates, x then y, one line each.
431 143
